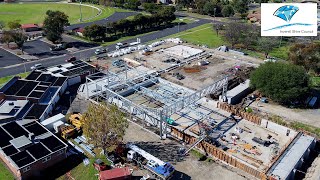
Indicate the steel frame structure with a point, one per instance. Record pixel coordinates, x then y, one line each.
112 93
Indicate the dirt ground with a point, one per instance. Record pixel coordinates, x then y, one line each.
187 168
310 116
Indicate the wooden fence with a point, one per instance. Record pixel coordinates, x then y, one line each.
240 112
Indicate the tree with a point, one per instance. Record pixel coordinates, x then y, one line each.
200 5
2 25
227 11
19 38
132 4
150 7
250 35
54 24
14 24
283 83
241 6
209 8
266 44
218 27
306 55
104 126
7 37
95 32
233 33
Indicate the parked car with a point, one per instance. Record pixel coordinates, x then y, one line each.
57 47
100 51
36 66
71 59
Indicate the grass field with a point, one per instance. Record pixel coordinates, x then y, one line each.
4 172
35 12
203 35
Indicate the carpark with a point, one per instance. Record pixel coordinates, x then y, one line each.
41 49
80 45
7 58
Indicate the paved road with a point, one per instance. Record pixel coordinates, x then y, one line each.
114 17
90 52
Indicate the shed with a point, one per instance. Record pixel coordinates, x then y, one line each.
49 123
115 174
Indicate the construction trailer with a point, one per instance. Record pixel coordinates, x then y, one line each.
158 168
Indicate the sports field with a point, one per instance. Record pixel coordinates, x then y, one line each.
35 12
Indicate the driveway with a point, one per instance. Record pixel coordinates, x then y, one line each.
7 59
115 17
41 49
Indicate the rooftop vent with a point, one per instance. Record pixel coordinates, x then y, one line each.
31 136
11 103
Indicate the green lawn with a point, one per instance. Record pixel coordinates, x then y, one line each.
315 81
5 174
3 80
186 20
281 52
35 12
125 38
203 35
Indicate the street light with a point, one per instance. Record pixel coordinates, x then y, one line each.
180 19
24 65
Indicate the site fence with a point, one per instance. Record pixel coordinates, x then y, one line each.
240 112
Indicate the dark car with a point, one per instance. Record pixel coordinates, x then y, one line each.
71 59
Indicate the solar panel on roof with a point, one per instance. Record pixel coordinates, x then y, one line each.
9 150
22 158
52 143
4 138
35 128
15 130
38 151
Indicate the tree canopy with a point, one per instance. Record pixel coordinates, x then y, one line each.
283 83
104 126
19 38
306 55
53 25
94 32
227 11
14 24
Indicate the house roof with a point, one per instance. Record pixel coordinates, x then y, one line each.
25 26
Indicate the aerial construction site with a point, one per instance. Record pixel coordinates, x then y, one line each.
187 93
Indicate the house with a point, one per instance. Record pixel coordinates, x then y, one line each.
27 148
30 27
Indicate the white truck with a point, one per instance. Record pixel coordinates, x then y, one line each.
158 168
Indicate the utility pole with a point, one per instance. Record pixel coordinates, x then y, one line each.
214 13
80 11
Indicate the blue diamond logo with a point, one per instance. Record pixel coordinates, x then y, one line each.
286 12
